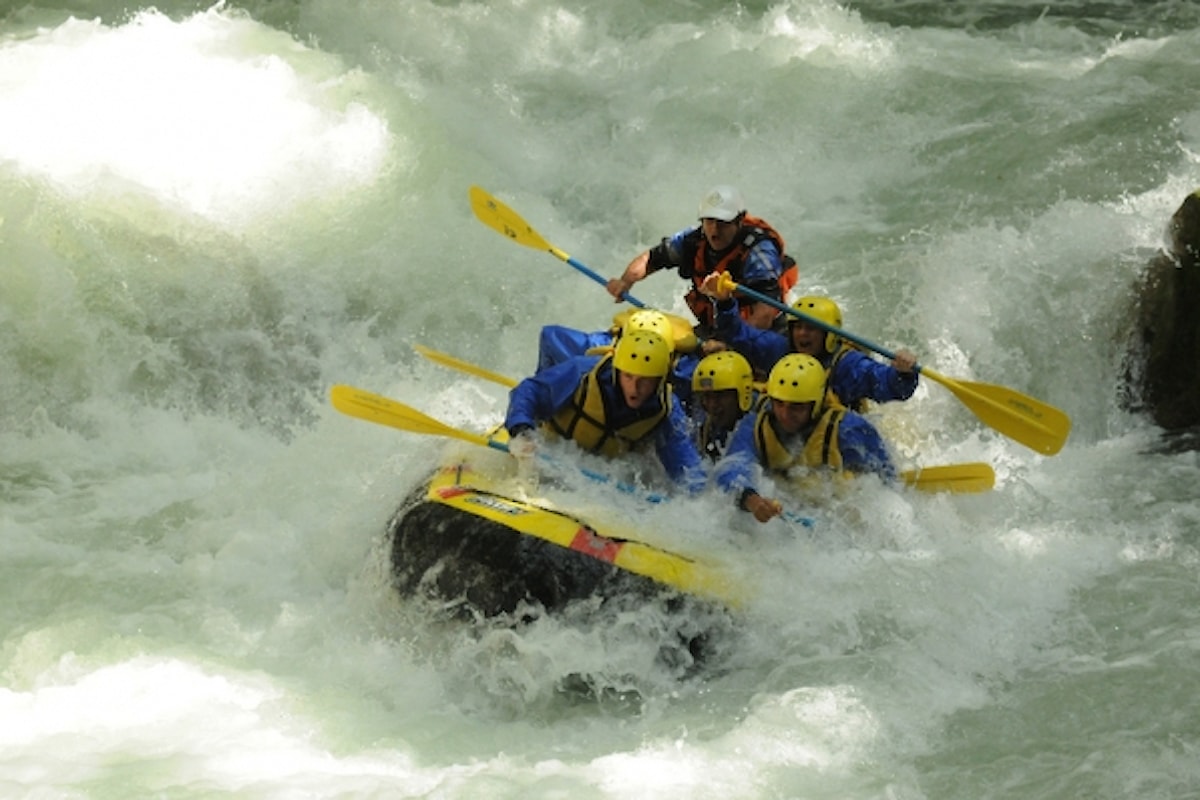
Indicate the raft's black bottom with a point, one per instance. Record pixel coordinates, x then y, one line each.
440 552
476 567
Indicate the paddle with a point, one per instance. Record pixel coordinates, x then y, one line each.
1037 425
376 408
958 478
448 360
371 407
501 218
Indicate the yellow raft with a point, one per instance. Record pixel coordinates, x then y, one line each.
467 539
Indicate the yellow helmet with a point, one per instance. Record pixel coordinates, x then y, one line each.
725 370
643 353
647 319
826 311
798 378
677 330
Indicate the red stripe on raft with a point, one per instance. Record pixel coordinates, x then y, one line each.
446 492
590 543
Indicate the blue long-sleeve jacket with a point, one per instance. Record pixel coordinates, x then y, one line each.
557 343
854 377
862 448
539 397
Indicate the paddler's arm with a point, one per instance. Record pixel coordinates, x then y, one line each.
634 272
905 360
677 451
762 348
734 473
663 255
863 448
538 397
857 374
764 509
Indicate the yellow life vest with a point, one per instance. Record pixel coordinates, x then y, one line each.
584 419
753 230
820 448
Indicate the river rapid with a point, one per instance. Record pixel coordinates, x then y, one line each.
209 215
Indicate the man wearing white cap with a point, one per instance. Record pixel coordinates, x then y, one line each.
726 240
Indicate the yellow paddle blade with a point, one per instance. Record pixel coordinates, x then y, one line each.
447 360
504 220
1037 425
958 478
378 409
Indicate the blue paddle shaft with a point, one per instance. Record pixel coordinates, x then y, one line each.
762 298
600 280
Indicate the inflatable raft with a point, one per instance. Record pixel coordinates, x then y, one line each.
470 539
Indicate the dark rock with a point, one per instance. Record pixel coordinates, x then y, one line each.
1163 364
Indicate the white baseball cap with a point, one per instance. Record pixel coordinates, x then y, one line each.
722 202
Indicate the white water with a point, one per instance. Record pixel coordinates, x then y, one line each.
208 217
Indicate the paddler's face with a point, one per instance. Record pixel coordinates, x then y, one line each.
721 407
807 339
719 234
792 417
636 389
